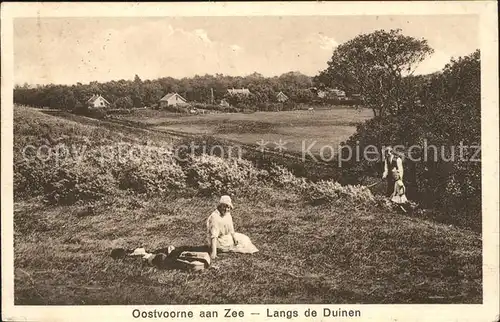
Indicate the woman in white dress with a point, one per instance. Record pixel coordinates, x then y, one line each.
220 231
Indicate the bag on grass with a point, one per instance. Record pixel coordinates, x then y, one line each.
194 260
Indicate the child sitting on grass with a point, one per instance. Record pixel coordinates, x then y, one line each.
398 196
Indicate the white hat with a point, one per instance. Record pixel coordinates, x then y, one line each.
226 200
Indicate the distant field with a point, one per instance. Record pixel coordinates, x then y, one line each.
297 128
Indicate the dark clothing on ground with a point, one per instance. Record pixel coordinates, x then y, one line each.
163 259
390 179
390 185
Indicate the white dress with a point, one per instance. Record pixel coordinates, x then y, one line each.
222 228
399 193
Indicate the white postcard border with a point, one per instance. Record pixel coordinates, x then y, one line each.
487 10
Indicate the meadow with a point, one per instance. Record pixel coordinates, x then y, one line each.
349 248
296 129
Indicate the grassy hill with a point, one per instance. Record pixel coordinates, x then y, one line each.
348 249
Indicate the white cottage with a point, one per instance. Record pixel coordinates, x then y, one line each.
331 93
172 99
97 101
239 91
281 97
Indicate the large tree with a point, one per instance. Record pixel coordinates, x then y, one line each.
375 65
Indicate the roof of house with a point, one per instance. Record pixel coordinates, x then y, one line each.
95 97
338 91
334 90
329 91
281 94
238 91
169 96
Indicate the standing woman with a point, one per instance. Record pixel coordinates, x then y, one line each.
391 162
220 231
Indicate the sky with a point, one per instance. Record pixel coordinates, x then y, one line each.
71 50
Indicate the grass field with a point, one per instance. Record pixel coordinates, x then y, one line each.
329 254
340 252
325 127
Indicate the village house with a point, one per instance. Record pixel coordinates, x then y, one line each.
97 101
281 97
338 93
331 93
172 99
239 91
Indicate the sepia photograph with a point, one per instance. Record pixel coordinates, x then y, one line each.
261 159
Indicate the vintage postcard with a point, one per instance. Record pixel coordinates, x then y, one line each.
250 161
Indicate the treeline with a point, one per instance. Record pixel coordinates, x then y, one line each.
198 89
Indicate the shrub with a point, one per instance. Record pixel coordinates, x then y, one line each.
284 178
211 174
152 176
30 178
74 181
98 113
328 191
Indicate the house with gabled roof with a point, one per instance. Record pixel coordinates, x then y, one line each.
172 99
97 101
281 97
238 91
331 93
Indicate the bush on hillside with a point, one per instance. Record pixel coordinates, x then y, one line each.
152 176
211 174
329 191
72 182
323 191
30 178
284 178
97 113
